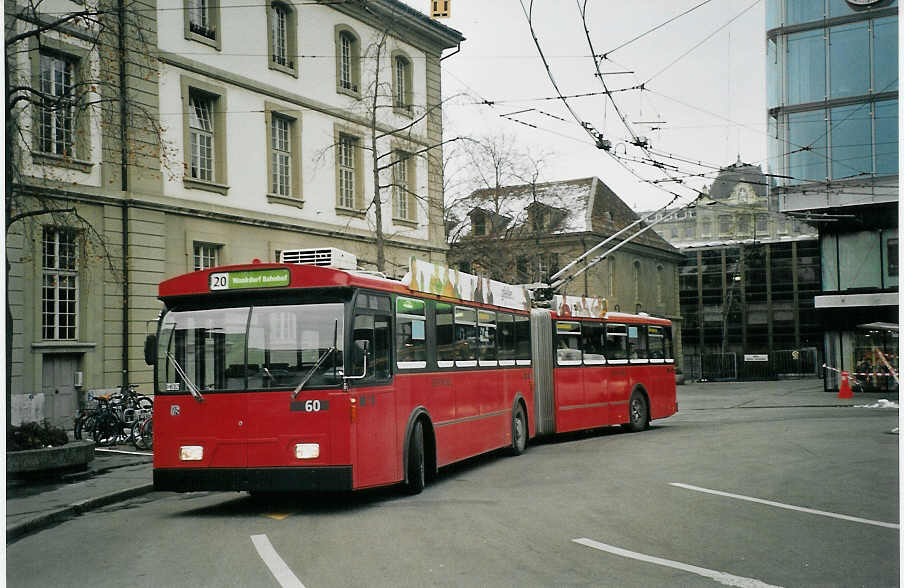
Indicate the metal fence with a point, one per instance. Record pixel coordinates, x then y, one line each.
780 364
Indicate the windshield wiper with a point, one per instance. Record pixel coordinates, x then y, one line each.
188 383
310 373
320 361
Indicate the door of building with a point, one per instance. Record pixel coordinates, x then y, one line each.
59 388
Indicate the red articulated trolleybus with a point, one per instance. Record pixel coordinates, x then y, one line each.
293 376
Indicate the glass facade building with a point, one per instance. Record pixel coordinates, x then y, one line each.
832 99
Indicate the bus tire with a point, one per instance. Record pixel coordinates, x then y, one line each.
416 470
638 413
519 431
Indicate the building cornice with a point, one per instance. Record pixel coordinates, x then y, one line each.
425 34
234 216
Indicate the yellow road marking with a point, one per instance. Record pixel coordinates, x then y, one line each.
278 516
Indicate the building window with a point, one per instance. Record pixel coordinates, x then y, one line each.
744 224
59 292
886 127
403 187
611 264
762 223
478 225
348 76
207 255
57 83
689 230
278 19
283 161
851 140
204 136
724 224
706 227
402 83
202 19
636 278
280 156
806 67
885 54
660 284
807 139
849 59
282 37
201 146
347 165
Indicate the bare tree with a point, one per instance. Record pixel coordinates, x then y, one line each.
493 213
66 87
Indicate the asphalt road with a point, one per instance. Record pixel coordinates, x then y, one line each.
601 509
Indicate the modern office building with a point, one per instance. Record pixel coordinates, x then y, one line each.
832 97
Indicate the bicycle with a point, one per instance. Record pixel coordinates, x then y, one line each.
118 414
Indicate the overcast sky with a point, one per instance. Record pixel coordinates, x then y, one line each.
711 101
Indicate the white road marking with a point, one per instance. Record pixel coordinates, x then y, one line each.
721 577
277 566
102 450
788 506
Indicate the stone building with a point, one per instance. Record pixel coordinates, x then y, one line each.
737 206
196 134
524 234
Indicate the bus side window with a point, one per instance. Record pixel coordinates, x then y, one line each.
374 330
445 335
568 343
486 330
411 336
637 342
592 343
522 338
616 342
506 336
655 343
466 344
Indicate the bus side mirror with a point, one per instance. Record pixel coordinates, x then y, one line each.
150 350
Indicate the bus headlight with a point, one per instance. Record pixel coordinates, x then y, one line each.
191 453
307 450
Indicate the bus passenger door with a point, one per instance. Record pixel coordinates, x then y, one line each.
375 452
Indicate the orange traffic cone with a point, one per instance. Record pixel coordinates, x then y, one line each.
844 390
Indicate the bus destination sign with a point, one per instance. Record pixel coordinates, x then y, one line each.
271 278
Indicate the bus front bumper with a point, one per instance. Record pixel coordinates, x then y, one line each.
276 479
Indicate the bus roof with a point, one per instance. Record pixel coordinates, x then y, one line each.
257 277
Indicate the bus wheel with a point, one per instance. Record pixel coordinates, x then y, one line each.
637 412
519 431
416 469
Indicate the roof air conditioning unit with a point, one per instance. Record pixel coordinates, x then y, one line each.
323 257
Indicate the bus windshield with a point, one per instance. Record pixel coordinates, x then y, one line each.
250 347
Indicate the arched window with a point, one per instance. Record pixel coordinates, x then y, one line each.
348 68
636 270
401 83
282 36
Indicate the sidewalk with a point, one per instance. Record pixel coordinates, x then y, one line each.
122 473
115 474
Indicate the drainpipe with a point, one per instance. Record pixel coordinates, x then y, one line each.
124 173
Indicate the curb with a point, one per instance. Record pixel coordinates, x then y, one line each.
16 531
